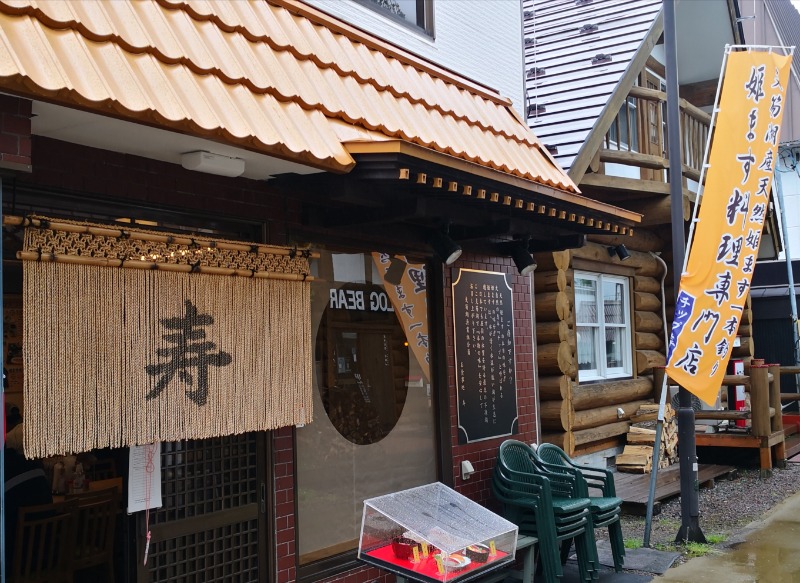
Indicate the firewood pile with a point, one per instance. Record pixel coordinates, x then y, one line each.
637 457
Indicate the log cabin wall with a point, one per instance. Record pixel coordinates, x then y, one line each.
583 418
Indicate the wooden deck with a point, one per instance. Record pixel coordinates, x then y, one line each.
634 489
791 428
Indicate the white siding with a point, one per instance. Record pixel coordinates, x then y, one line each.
479 39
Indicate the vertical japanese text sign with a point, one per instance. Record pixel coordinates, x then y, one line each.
716 281
486 385
406 285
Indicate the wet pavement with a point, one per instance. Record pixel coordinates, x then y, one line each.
767 551
607 575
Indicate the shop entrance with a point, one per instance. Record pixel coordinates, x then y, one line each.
212 525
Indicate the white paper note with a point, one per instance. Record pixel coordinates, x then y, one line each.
144 473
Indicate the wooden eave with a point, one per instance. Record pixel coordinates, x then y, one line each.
512 183
398 192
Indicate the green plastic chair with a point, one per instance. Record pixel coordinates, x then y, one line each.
606 508
564 487
529 505
516 467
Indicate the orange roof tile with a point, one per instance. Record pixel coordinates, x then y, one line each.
276 77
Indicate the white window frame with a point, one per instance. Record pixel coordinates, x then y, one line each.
603 372
629 113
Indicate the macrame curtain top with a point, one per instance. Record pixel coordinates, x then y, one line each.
166 351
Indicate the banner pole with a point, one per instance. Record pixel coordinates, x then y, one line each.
690 527
656 458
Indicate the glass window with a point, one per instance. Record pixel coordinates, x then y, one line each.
374 426
416 13
624 133
602 320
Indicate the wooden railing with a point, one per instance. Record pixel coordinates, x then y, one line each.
763 384
638 136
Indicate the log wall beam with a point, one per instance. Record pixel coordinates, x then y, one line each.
554 387
605 415
611 393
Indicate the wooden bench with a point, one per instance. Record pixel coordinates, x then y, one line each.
524 543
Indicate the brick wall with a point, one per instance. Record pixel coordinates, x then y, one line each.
482 454
15 133
136 180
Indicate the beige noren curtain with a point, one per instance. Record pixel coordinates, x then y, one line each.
159 348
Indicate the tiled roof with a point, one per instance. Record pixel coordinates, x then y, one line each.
569 89
277 77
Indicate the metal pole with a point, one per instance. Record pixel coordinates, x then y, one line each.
789 273
662 404
690 512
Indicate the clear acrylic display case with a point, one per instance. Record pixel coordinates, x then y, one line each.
432 533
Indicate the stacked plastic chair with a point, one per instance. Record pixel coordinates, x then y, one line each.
606 508
537 504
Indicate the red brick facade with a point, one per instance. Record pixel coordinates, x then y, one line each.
15 133
139 181
482 454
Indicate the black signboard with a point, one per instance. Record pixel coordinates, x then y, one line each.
483 315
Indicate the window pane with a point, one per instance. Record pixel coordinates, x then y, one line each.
619 133
615 348
614 302
587 348
373 409
585 301
408 10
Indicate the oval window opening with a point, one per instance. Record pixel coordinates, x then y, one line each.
365 360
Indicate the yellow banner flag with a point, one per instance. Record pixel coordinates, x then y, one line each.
406 285
716 281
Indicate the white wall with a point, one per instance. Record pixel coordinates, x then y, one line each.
790 185
480 39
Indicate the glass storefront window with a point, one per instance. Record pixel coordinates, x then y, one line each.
373 430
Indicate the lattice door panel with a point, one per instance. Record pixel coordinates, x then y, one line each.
209 528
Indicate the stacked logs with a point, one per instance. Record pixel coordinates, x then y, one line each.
637 457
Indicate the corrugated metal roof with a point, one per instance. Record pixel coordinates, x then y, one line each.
277 77
787 24
572 90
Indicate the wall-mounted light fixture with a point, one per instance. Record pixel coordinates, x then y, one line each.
210 163
620 251
445 248
522 259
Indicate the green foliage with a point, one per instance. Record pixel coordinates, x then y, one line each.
692 549
633 543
